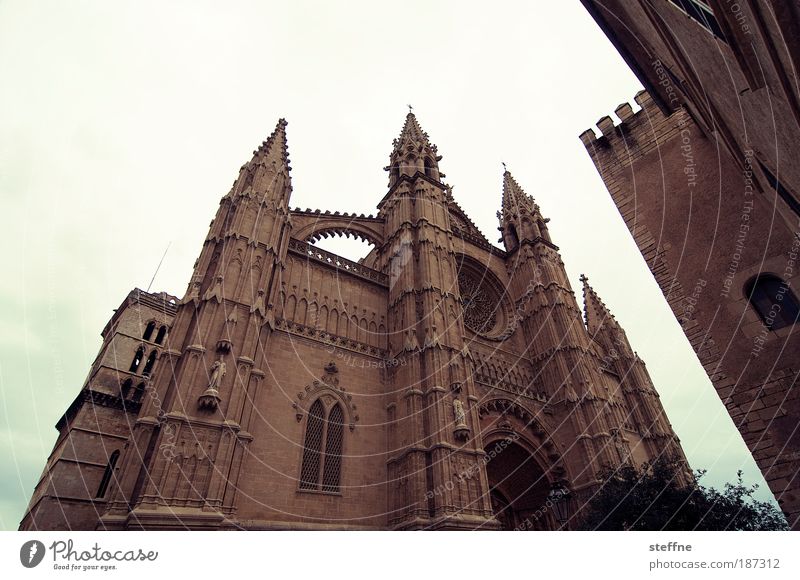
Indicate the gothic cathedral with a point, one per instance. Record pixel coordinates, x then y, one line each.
439 383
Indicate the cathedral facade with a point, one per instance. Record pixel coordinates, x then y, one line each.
441 382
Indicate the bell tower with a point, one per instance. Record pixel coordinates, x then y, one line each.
435 439
553 329
192 433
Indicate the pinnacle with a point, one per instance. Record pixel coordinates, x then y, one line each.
275 147
514 196
412 133
596 313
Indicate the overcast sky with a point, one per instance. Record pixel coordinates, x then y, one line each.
123 123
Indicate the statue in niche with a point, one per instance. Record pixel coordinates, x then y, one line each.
217 372
458 411
210 399
462 430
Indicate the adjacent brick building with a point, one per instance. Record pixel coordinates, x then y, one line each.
706 177
439 383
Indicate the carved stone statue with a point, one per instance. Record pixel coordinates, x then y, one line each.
458 411
217 372
210 398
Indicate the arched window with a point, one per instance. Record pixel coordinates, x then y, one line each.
322 450
543 230
774 301
137 360
514 241
333 450
428 167
137 393
126 388
148 367
148 331
162 332
112 461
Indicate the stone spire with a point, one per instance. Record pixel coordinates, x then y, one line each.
267 173
515 200
413 153
595 312
601 324
520 217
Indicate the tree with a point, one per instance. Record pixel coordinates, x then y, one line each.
653 498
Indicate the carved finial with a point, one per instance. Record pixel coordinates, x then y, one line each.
584 278
504 166
410 109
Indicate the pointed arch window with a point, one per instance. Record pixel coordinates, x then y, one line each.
162 332
514 237
428 167
148 331
137 393
137 360
107 474
321 467
148 367
773 300
126 388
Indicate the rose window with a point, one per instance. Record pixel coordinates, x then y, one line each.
480 304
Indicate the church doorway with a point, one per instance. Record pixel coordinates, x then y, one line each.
518 488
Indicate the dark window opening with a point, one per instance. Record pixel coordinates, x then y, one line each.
322 452
137 393
773 300
148 367
784 194
137 360
512 233
162 332
107 474
126 388
543 230
312 449
428 167
701 13
148 331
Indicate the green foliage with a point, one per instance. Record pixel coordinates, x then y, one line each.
656 497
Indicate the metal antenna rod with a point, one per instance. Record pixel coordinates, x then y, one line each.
158 267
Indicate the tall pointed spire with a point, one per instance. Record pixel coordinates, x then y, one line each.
275 147
520 218
514 197
267 173
412 153
595 312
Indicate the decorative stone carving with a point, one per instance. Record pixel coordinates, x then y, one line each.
462 429
215 291
326 386
480 304
210 398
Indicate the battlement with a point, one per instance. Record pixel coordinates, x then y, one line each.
636 134
327 212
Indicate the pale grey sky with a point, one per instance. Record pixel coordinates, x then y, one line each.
123 123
